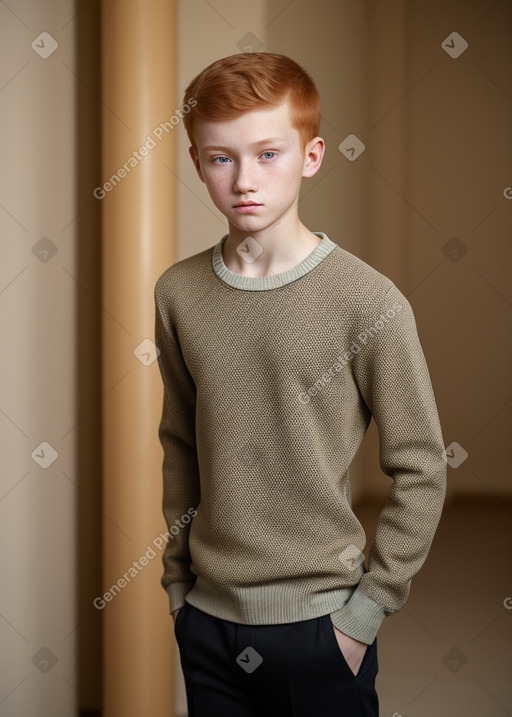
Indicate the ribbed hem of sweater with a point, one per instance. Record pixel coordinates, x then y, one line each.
176 593
264 283
350 609
272 604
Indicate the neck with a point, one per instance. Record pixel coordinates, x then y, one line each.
273 250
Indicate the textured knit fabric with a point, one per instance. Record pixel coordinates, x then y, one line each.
269 387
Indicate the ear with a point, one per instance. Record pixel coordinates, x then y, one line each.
313 155
195 158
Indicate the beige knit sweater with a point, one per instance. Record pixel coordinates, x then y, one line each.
269 386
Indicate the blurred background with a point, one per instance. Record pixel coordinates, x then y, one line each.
99 195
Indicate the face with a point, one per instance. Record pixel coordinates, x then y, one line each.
256 158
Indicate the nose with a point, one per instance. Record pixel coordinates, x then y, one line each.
244 179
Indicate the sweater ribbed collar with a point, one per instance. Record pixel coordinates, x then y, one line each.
275 281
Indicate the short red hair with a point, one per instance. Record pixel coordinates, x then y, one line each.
240 83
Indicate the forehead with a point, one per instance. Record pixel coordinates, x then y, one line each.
247 129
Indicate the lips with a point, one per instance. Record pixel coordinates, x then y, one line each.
247 204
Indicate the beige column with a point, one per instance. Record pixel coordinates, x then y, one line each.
137 196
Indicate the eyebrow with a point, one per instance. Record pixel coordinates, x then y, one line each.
269 140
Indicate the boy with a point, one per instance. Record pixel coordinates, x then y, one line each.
276 349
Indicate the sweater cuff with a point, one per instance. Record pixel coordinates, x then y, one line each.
359 618
176 593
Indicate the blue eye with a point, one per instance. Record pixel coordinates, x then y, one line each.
217 158
269 152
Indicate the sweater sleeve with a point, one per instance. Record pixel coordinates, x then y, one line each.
393 379
180 465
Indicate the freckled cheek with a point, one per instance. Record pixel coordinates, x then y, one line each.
282 185
217 186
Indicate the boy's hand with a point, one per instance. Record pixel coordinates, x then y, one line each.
175 615
353 650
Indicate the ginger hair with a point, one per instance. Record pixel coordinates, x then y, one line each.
240 83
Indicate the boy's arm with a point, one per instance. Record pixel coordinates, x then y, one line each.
180 467
392 375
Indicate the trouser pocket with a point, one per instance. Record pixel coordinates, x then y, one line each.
369 664
179 619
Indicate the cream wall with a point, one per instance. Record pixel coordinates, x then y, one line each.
39 301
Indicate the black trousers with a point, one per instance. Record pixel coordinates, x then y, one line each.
291 670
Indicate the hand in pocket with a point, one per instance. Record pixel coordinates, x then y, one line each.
353 650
